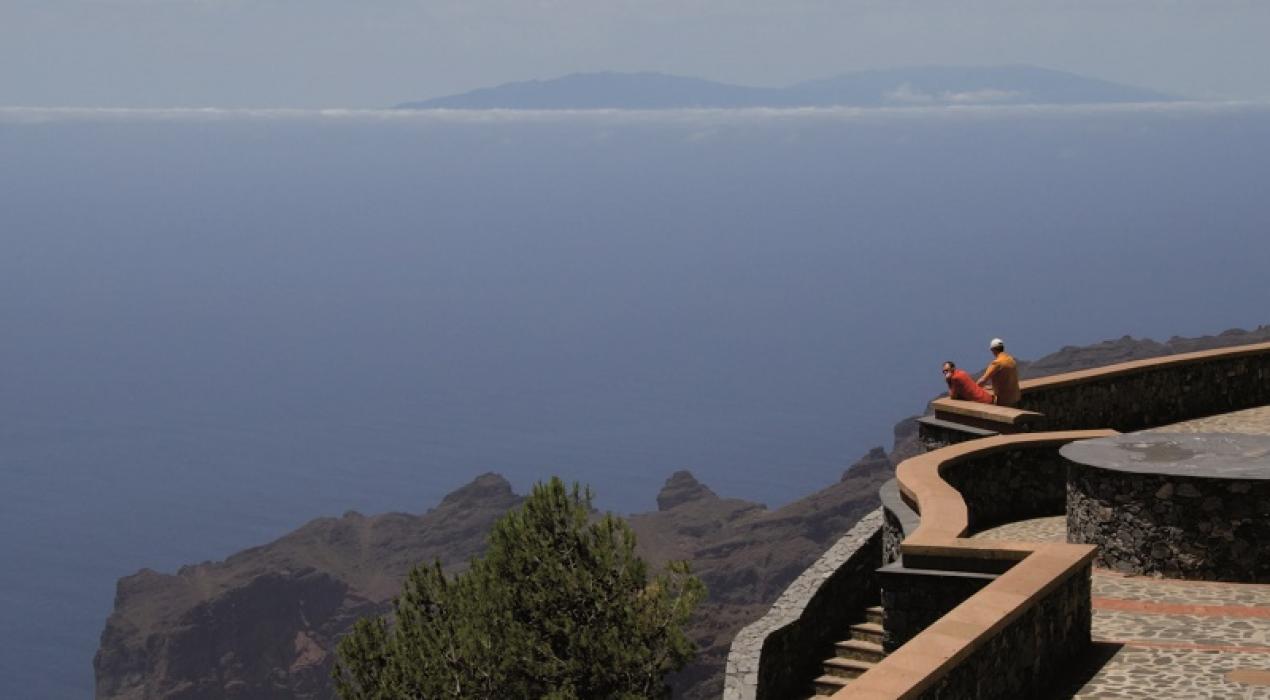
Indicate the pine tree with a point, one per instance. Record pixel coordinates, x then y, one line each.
560 607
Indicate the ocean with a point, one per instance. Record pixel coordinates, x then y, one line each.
218 325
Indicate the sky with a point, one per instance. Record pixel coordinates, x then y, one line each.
376 53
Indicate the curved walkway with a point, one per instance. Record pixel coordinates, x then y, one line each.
1166 639
1252 421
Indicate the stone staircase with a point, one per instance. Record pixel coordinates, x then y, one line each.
853 656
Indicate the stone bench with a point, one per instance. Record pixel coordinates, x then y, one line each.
984 416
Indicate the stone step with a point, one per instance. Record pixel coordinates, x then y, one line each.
861 650
938 432
828 685
953 425
867 632
845 668
873 614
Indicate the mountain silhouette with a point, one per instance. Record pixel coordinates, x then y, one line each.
935 85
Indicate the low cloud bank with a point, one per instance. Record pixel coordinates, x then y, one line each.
916 105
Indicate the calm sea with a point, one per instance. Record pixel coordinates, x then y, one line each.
215 326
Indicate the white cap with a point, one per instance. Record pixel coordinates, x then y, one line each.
996 343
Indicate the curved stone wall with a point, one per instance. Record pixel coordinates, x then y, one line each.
1008 638
892 535
899 520
1147 393
1170 525
1009 485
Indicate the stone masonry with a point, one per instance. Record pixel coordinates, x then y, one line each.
769 658
1164 394
1170 525
912 599
1010 485
1030 653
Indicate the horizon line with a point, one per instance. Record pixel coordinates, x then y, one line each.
40 114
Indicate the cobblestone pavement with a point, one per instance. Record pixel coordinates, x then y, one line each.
1110 584
1254 421
1052 529
1166 639
1136 672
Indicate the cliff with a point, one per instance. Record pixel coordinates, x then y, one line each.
262 623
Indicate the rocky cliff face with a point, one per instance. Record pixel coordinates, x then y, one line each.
263 623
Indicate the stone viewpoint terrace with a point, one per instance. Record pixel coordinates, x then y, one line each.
1005 569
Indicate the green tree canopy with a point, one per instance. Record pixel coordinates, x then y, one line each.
560 606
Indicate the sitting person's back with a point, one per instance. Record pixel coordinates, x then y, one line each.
962 386
1003 372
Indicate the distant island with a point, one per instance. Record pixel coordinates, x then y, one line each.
898 87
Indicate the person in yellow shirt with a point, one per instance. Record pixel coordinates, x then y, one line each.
1003 372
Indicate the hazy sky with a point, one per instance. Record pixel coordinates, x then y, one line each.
371 53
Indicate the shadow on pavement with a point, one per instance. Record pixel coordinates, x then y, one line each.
1083 669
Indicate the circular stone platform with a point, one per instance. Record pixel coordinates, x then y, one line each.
1192 506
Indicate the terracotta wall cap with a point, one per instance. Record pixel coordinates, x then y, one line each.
983 411
915 667
942 509
1133 366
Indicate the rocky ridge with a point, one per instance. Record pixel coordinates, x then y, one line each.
263 623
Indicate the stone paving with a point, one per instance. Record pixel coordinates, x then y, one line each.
1253 421
1167 639
1035 530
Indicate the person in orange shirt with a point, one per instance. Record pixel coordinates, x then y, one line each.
962 386
1003 372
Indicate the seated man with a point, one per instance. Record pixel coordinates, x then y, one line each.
961 386
1003 372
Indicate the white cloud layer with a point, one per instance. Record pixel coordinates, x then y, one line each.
907 94
703 117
